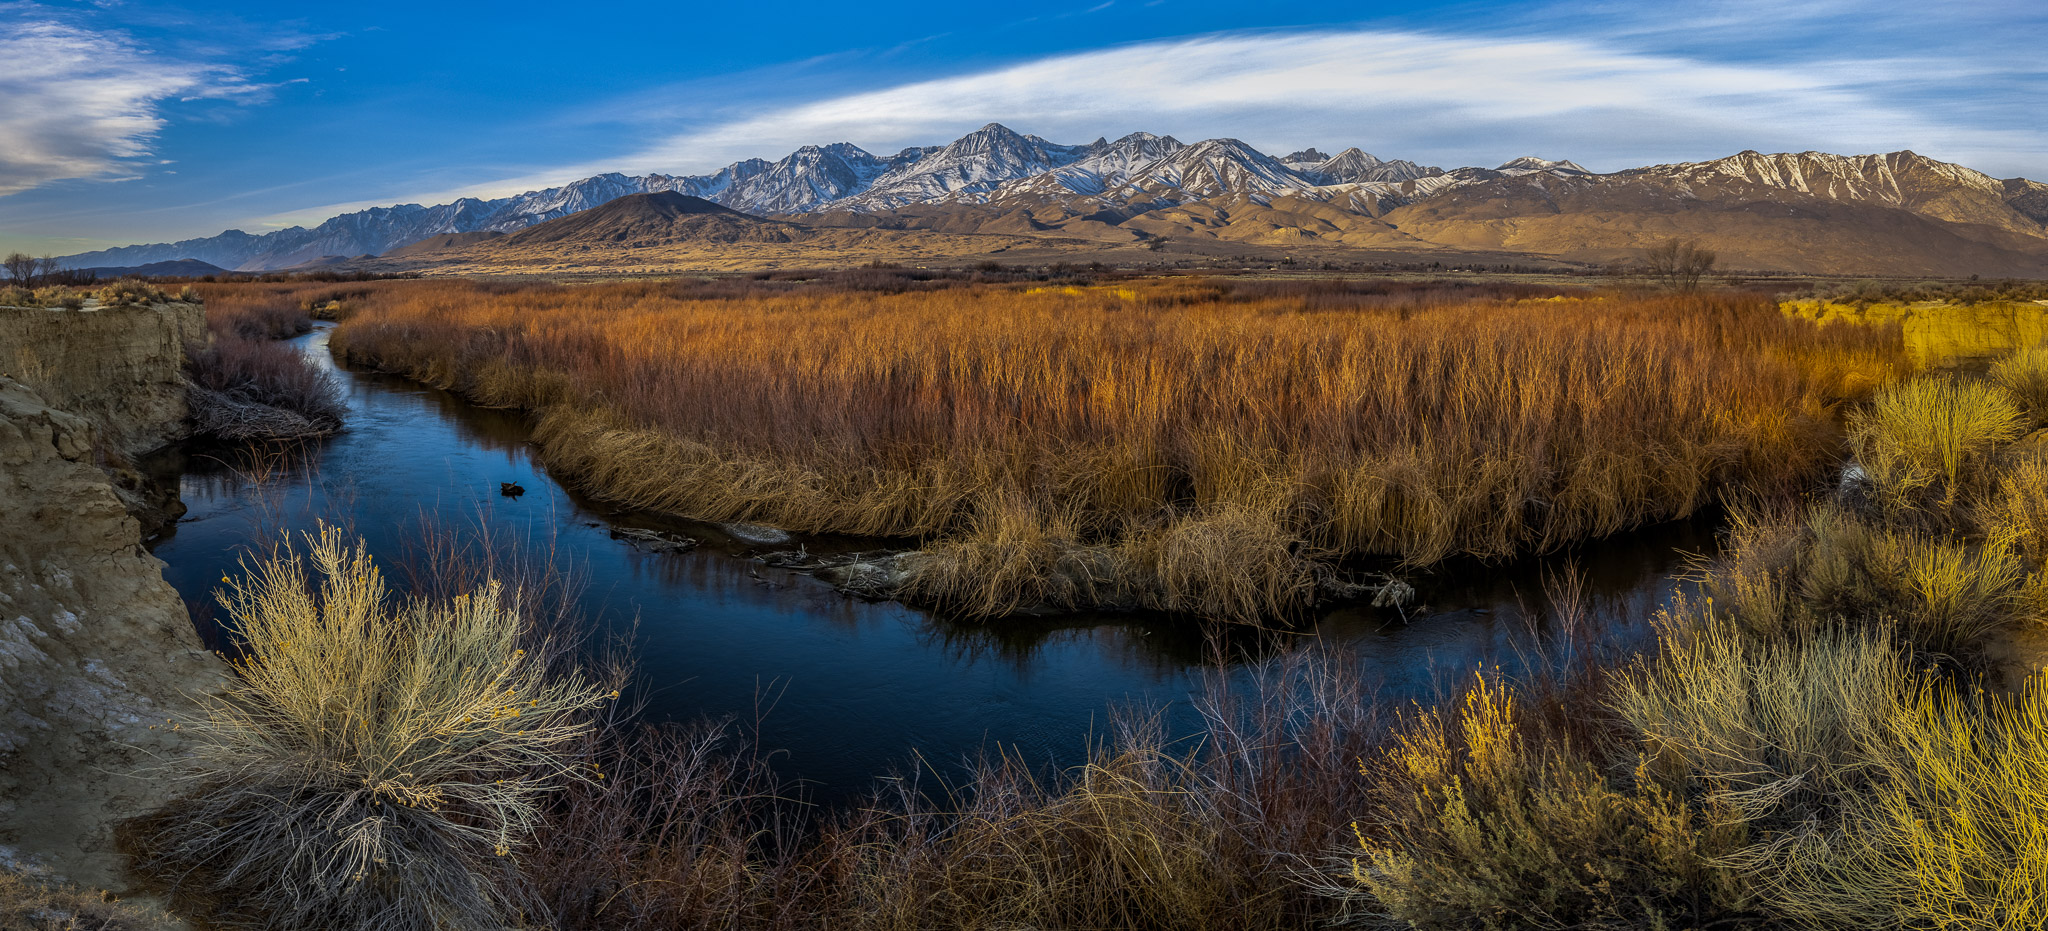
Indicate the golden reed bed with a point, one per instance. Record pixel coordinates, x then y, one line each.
1207 446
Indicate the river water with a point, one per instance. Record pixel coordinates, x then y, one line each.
845 689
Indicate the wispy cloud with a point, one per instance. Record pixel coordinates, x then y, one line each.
86 103
1599 81
1458 99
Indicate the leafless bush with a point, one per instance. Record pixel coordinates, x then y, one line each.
242 388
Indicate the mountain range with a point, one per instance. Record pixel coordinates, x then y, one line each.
1898 213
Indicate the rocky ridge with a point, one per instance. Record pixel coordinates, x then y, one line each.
1141 186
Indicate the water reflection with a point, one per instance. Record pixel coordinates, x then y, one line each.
855 686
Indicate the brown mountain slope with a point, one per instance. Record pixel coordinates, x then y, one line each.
655 233
1907 180
443 243
1750 225
644 220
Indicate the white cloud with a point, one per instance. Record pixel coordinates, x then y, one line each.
79 103
1454 99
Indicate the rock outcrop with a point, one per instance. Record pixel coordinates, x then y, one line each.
95 647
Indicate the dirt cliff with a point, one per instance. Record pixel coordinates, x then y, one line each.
118 367
95 647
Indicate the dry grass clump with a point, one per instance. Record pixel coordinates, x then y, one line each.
1216 833
373 763
55 296
1835 570
1341 418
245 385
127 291
253 311
242 389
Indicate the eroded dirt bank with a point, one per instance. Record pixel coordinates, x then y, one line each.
118 367
95 647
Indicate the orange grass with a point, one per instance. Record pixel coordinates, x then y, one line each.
1207 446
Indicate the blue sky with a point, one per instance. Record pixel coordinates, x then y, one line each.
125 121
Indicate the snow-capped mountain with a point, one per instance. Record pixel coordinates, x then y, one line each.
1353 165
804 179
1210 168
1905 179
1304 160
974 164
1107 165
998 171
1530 164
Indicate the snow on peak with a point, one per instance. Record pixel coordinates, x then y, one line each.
1354 165
1530 164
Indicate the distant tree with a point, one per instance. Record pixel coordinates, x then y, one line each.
21 269
46 269
1679 265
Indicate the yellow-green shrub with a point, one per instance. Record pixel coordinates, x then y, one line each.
1923 444
1488 823
2025 375
1773 728
1955 833
1787 580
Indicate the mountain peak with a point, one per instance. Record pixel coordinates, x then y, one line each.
659 203
997 130
644 219
1308 156
1531 163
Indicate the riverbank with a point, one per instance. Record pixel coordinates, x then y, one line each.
99 654
1809 735
864 686
1835 649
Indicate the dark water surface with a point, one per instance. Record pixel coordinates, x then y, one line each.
847 689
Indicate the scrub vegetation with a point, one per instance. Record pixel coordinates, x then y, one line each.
1833 731
1212 447
1833 734
1947 292
245 383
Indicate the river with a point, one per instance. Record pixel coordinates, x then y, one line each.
845 689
